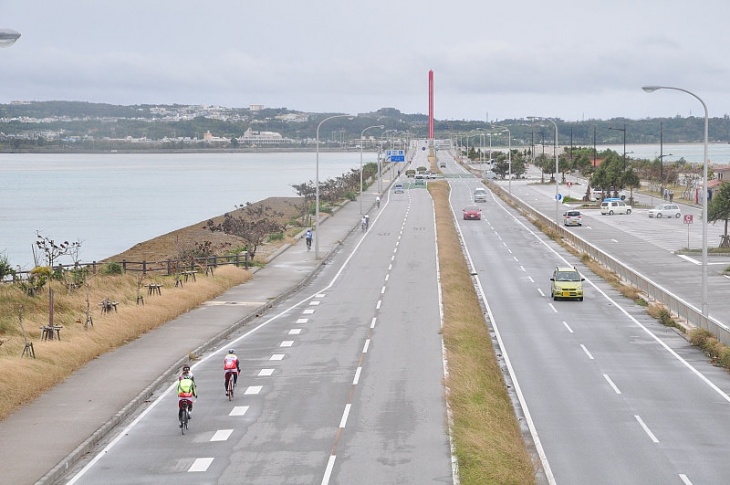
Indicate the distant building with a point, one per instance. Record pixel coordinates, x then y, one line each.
256 107
252 137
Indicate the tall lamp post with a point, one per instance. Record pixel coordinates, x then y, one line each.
555 152
8 37
509 154
651 89
316 184
362 135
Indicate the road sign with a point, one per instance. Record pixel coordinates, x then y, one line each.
688 219
395 155
570 184
559 197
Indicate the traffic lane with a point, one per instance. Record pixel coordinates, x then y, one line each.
635 241
610 337
396 430
566 398
318 358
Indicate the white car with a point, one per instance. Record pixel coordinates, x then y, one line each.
614 206
665 210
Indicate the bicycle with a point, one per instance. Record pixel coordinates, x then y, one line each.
231 385
309 244
364 226
184 415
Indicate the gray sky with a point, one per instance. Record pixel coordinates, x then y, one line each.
569 59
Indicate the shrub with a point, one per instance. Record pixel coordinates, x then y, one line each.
724 358
111 269
277 236
698 336
5 268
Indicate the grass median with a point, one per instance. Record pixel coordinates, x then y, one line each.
488 441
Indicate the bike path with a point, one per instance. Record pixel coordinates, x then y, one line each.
44 438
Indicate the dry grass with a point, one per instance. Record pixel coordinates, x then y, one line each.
22 380
488 441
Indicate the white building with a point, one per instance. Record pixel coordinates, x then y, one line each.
252 137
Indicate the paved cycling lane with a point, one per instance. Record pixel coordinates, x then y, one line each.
341 381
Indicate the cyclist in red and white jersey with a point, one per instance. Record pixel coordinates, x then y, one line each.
231 366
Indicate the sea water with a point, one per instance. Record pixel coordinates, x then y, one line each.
110 202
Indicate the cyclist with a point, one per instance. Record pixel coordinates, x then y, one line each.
308 237
377 201
186 374
231 365
185 392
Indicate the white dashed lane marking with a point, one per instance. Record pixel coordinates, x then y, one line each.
200 465
222 435
238 411
277 357
252 390
266 372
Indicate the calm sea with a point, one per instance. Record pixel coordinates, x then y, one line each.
110 202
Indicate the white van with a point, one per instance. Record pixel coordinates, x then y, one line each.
480 195
614 206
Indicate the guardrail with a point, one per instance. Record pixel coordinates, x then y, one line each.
683 310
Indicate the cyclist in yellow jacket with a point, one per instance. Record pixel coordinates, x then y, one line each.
186 391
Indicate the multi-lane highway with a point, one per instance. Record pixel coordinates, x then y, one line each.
610 395
342 382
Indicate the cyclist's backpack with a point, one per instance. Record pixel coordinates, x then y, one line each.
186 386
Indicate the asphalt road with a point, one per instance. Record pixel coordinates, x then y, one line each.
610 395
341 383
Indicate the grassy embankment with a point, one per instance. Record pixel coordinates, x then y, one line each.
24 379
487 437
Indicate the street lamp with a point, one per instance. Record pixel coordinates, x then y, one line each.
555 152
661 167
8 37
651 89
316 184
362 135
509 154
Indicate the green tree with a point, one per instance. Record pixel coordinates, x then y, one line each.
719 210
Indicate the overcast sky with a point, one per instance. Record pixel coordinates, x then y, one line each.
568 59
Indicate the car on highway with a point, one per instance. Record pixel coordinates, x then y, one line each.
614 206
472 212
442 165
566 282
572 218
480 195
665 210
398 189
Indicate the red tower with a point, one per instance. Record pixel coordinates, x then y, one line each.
430 105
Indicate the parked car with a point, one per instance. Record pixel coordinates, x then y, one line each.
665 210
614 206
442 165
472 212
572 218
566 282
598 193
480 195
398 189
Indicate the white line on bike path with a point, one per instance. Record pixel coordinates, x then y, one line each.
200 465
238 411
266 372
222 435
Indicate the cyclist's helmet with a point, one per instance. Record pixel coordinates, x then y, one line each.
186 368
232 351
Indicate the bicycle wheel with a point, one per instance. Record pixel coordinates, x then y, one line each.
184 418
230 388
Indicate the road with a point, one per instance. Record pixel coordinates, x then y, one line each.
610 395
340 382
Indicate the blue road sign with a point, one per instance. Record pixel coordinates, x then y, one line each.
395 155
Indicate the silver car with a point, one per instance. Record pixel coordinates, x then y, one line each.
665 210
